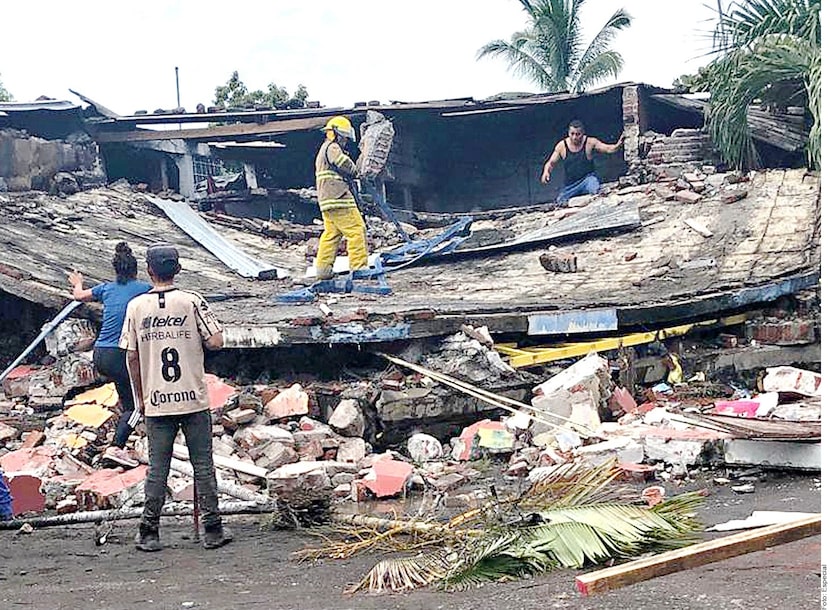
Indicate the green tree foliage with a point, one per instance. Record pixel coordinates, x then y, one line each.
551 52
768 52
5 96
234 94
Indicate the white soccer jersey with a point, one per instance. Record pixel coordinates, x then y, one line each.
167 328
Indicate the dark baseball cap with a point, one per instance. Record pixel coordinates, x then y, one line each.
162 257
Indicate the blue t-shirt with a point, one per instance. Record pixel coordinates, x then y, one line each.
115 297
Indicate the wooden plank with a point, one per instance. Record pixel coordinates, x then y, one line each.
696 555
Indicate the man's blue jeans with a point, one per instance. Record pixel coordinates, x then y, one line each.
589 185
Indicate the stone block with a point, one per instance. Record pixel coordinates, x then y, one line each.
424 448
275 454
256 434
241 416
347 419
288 403
351 450
448 482
733 195
307 477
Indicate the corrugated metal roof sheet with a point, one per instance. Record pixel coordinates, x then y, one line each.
189 221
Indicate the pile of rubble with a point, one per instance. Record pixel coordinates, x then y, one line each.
281 441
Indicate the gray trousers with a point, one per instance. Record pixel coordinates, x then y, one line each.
161 433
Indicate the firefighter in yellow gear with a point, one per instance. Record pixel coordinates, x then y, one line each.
341 217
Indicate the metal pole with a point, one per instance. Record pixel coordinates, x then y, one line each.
178 99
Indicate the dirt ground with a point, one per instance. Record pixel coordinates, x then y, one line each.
61 568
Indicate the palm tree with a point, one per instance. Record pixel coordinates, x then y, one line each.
770 51
551 50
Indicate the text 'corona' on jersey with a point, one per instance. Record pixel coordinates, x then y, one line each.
162 322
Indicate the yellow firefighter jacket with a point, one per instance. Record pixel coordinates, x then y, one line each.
332 166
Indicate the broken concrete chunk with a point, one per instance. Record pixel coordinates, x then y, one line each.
299 477
111 488
275 454
687 196
575 395
731 196
424 448
351 450
288 403
622 449
347 419
8 433
241 416
791 380
253 435
308 448
698 227
72 335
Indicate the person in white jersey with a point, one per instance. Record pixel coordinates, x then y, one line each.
164 333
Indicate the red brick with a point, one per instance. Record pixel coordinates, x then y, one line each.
16 383
639 473
789 332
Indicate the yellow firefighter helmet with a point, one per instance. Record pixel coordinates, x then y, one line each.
340 125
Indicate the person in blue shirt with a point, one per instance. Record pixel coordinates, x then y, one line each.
109 359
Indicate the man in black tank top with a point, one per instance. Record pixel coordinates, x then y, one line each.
577 155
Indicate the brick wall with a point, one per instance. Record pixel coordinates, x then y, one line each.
651 155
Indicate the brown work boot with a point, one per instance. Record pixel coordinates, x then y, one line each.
147 538
216 536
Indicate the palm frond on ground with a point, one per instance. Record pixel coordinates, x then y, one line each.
574 530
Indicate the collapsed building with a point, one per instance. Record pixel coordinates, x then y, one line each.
673 245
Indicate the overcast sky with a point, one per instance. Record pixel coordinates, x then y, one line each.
123 55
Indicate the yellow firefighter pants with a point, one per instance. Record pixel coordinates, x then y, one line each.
339 223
